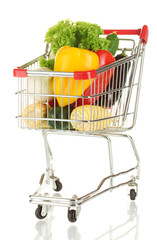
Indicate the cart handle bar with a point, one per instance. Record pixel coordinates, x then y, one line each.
143 33
77 75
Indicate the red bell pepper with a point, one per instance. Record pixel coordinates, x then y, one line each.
53 102
100 83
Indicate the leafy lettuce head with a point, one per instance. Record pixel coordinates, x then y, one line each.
80 34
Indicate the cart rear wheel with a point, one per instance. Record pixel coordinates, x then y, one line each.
132 194
38 213
72 217
58 186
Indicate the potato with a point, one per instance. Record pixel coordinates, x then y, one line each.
40 112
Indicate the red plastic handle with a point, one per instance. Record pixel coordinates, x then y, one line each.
143 33
78 75
84 75
20 72
123 32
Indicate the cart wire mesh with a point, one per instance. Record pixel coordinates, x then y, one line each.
111 105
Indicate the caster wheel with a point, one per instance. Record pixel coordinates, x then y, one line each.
38 213
132 194
72 215
58 185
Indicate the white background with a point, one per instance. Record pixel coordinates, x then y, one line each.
81 163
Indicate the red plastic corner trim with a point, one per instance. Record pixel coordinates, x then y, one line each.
84 75
18 72
144 34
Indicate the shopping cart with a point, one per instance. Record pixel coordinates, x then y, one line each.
111 110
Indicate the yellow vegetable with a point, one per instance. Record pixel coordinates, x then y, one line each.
87 113
70 59
36 110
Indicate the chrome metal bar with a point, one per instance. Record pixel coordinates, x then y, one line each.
132 77
96 191
70 120
89 197
110 158
53 201
54 102
49 157
23 92
32 62
133 147
116 64
41 186
50 73
139 86
129 40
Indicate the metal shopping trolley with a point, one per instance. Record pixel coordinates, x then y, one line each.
111 110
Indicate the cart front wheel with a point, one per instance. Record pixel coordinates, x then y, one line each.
38 213
58 186
72 216
132 194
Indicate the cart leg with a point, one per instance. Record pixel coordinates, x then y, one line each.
133 147
136 154
50 178
110 155
110 158
49 156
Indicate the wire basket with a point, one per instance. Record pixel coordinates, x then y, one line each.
110 105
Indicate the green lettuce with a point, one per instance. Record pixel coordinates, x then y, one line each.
88 37
61 34
43 62
83 35
80 34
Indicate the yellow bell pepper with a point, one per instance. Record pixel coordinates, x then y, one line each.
70 59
